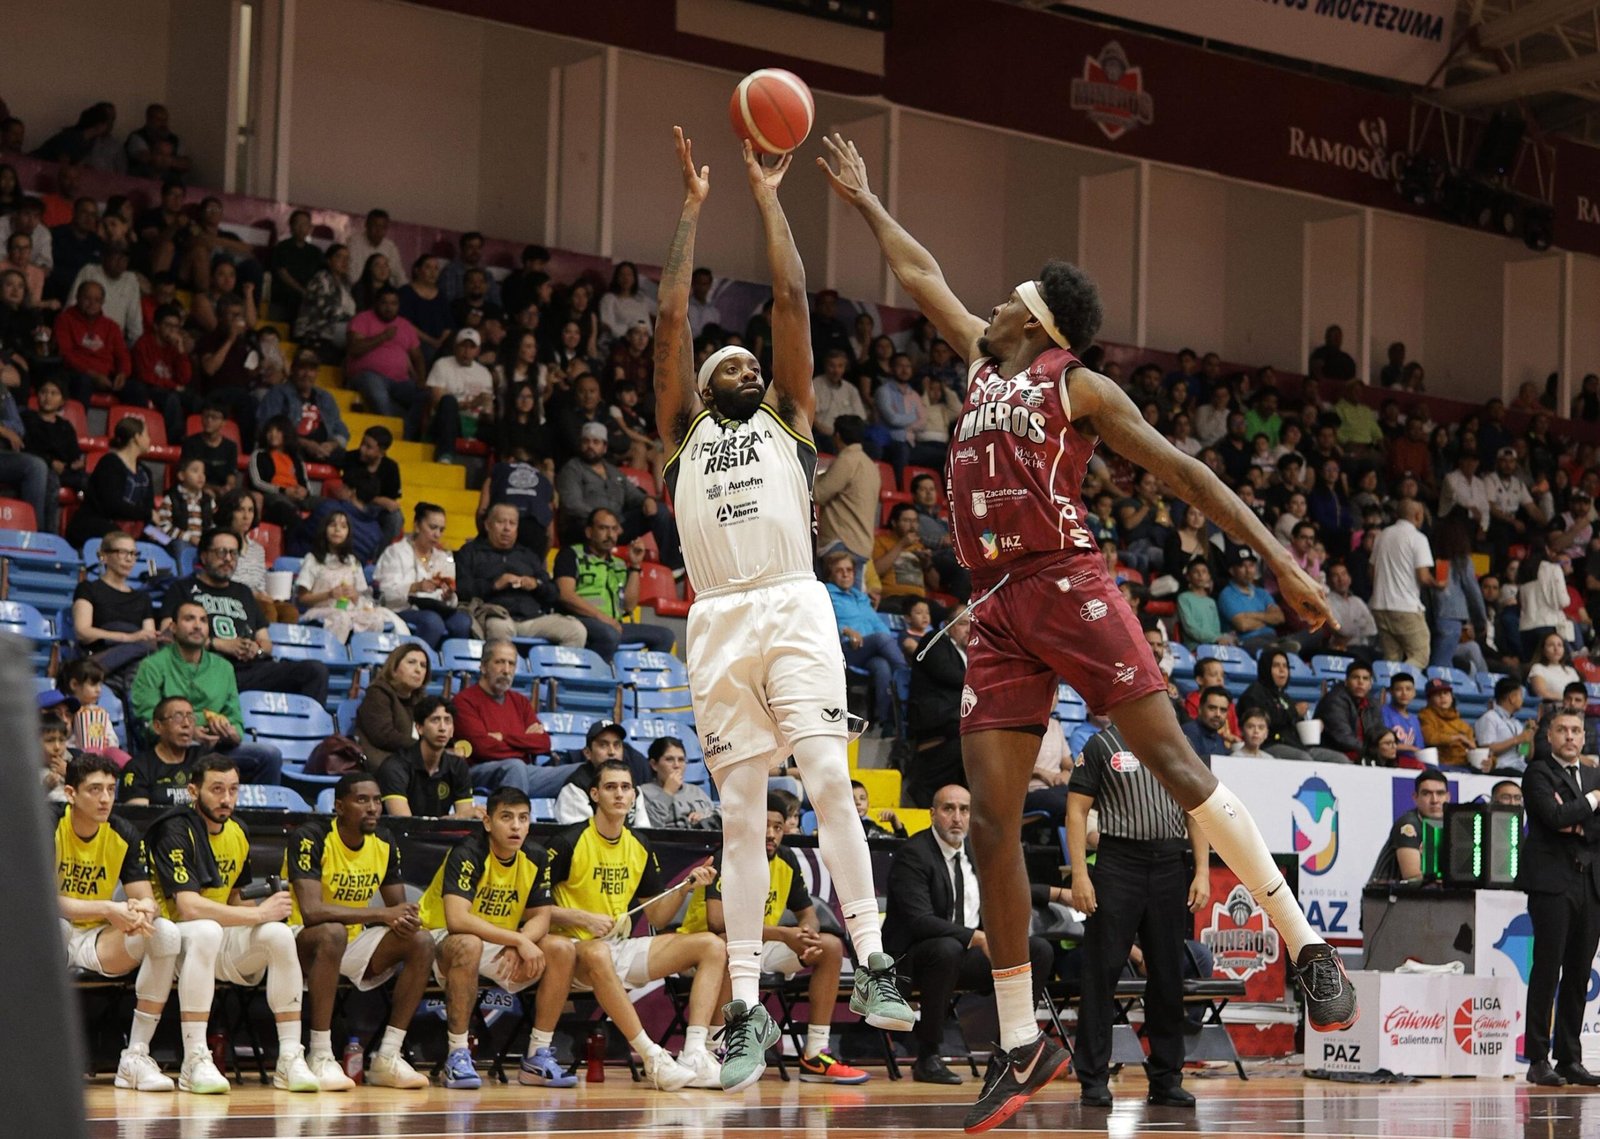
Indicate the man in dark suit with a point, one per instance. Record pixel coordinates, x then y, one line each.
934 923
933 715
1561 875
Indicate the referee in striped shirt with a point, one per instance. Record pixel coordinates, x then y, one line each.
1137 889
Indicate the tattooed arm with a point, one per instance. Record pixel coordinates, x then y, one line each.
791 316
677 402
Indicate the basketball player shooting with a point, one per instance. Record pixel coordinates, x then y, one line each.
1047 608
766 673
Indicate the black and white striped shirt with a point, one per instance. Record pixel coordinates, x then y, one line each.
1131 801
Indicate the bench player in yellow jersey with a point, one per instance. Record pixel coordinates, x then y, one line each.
595 872
334 868
787 949
490 916
200 856
94 854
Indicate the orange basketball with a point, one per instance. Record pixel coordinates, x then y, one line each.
772 108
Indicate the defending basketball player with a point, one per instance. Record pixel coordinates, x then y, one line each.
1048 608
765 668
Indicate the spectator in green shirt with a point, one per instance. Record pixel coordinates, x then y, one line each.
1358 423
600 589
187 668
1263 417
1197 609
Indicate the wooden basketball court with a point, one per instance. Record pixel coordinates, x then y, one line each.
1272 1103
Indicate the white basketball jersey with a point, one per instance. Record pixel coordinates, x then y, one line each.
742 496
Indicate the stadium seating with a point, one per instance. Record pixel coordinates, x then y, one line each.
575 680
41 570
23 620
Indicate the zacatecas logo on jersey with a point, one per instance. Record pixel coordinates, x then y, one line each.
1112 93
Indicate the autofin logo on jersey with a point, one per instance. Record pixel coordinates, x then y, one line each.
1112 93
1241 940
1516 942
1315 814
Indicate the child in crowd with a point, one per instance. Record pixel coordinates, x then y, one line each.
189 507
91 728
1254 729
919 620
1208 673
57 754
885 825
273 366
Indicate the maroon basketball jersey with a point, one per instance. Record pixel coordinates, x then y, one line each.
1016 466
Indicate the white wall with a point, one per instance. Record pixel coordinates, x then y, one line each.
1332 283
1262 280
1464 311
59 57
1586 317
1107 246
1399 288
1187 260
1531 346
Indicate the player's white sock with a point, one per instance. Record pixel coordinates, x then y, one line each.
193 1033
744 873
643 1045
538 1039
825 769
288 1034
197 979
1233 834
393 1038
144 1028
1013 998
694 1040
817 1039
321 1043
455 1041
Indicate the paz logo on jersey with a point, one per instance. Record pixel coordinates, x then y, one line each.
996 544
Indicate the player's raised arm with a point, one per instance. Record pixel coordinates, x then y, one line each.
914 267
1116 420
676 399
791 314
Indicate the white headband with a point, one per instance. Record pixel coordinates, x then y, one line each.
709 368
1029 292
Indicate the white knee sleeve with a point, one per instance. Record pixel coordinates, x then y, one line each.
744 872
825 767
285 982
197 974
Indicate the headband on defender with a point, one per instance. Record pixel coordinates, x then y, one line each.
1029 292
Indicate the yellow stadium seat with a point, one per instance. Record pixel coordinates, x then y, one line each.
914 819
414 473
882 784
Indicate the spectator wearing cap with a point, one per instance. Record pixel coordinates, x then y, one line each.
1499 729
605 741
1464 489
311 411
587 482
1443 726
1511 506
1402 564
502 730
458 388
384 359
1244 605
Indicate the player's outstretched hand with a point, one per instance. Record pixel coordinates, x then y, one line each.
764 179
849 181
1307 597
696 183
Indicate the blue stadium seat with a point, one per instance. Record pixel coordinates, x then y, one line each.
569 723
644 729
286 565
325 801
1383 671
374 648
345 715
294 724
695 772
257 797
1303 682
1330 667
1070 707
653 683
461 657
23 620
575 680
543 810
1236 663
1182 661
42 569
310 642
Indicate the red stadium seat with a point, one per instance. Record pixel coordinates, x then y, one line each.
644 480
886 481
18 515
659 590
269 537
887 501
910 474
472 447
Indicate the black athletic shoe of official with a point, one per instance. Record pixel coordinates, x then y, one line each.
1330 997
1012 1079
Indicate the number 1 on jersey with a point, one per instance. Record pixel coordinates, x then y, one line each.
989 450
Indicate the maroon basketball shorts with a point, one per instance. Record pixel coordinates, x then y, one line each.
1057 617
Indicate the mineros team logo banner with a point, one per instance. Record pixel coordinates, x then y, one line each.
1112 93
1398 39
